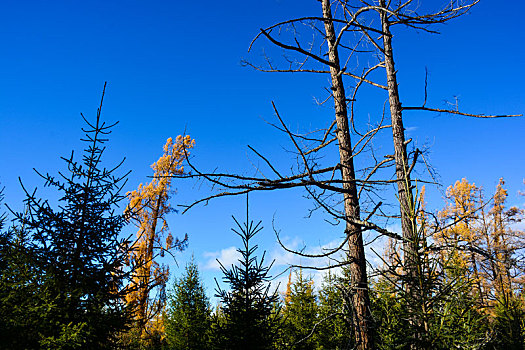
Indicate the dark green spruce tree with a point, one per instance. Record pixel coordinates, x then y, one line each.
335 329
18 278
250 321
22 302
301 314
78 251
188 318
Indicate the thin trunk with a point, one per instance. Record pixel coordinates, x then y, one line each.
475 274
143 316
490 252
356 254
404 185
474 263
503 291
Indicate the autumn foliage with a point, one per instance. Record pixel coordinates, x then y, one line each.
149 206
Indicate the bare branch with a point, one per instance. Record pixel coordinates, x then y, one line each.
452 111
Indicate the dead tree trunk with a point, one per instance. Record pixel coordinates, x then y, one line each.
356 253
404 185
350 31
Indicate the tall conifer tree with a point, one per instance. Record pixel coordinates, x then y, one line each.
300 313
188 317
335 330
250 321
149 205
78 250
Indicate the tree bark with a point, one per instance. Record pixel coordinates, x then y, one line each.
145 286
356 254
404 186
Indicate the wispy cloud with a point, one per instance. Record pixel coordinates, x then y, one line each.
411 129
283 259
226 256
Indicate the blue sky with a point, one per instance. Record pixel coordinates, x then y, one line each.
174 66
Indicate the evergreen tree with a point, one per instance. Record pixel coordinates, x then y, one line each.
19 301
249 318
509 325
218 324
452 319
300 313
21 307
392 328
334 328
78 251
188 317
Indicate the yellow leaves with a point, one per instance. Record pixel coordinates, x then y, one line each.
499 198
174 154
288 293
459 219
463 198
469 225
156 327
149 204
463 201
169 241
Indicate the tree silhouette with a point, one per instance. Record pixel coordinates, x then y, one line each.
250 321
78 249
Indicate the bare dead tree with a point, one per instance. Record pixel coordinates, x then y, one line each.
336 43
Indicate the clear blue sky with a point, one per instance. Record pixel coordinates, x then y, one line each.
173 66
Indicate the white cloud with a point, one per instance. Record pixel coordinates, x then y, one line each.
283 259
227 257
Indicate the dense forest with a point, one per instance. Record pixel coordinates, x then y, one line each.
449 274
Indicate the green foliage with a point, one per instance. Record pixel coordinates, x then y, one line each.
75 269
509 325
218 323
387 308
188 317
21 307
456 320
301 314
335 330
249 318
449 312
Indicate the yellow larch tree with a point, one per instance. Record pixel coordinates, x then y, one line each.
489 244
503 244
149 206
461 236
288 292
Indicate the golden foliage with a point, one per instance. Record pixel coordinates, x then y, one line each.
149 206
489 241
288 293
463 200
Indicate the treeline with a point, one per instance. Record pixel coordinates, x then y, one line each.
473 299
470 296
70 280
